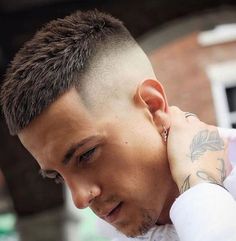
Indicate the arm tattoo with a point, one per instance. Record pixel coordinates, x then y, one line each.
186 185
207 177
205 141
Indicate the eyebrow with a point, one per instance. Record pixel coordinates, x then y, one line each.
74 147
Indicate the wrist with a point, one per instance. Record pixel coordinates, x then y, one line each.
195 179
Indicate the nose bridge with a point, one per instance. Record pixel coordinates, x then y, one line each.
83 191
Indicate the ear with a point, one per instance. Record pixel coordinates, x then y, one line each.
151 95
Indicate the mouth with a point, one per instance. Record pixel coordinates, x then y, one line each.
112 216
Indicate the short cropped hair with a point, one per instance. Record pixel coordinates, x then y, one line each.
45 67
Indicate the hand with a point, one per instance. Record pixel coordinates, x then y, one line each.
195 150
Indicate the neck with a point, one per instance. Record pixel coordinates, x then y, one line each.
165 214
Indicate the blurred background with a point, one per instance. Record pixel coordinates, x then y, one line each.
192 46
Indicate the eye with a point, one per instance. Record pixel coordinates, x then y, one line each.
86 156
53 175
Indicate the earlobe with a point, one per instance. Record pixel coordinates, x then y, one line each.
151 94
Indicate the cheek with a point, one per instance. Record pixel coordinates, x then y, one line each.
133 158
149 184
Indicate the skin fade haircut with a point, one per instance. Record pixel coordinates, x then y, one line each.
46 66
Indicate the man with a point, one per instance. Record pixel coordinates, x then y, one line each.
84 100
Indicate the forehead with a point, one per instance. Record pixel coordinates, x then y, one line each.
60 125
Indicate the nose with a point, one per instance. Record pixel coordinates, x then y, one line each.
84 194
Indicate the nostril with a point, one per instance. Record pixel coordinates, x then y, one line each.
83 199
83 194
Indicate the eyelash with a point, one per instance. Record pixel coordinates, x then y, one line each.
58 179
86 155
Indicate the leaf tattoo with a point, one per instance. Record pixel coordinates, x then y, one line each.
186 185
207 177
205 141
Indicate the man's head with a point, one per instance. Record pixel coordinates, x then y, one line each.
83 99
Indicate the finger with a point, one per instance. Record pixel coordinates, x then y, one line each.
177 115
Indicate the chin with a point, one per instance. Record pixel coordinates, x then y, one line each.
134 229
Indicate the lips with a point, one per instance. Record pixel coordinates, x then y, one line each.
113 214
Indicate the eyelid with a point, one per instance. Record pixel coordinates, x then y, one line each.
89 146
78 158
88 150
53 175
56 177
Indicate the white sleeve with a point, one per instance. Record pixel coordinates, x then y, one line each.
205 212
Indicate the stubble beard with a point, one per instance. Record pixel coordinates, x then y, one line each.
146 223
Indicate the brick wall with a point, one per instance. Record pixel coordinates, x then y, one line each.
180 66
